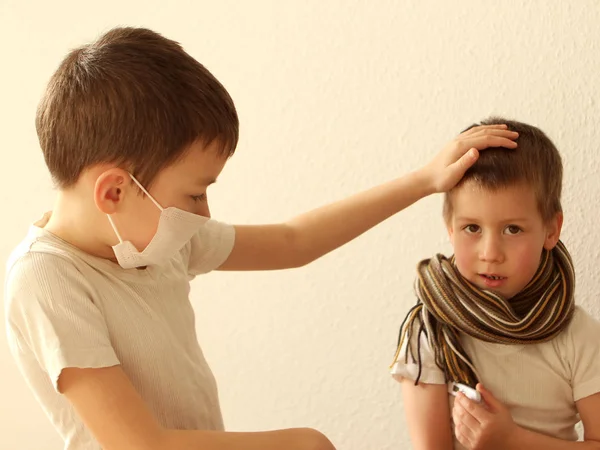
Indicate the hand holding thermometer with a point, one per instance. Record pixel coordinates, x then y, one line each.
469 392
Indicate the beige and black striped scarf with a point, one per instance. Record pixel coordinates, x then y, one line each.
448 305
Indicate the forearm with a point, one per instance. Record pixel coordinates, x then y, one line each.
291 439
324 229
311 235
527 440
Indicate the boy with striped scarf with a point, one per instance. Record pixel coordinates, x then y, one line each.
500 313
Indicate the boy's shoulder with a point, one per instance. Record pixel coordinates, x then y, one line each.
582 326
41 261
41 248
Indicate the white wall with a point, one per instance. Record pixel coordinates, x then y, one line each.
333 97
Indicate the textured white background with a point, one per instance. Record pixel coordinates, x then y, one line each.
333 97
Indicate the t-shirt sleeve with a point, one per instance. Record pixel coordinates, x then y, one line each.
51 314
407 364
582 342
210 247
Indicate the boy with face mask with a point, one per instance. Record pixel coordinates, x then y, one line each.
134 131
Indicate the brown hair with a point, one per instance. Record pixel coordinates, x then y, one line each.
535 161
133 98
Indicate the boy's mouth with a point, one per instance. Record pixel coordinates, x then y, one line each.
492 279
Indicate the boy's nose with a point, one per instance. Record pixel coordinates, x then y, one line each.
491 250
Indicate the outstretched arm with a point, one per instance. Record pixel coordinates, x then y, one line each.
316 233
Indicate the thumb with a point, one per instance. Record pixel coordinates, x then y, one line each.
468 159
489 398
455 171
462 164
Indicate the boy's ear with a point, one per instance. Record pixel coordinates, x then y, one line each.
553 229
109 189
450 230
447 213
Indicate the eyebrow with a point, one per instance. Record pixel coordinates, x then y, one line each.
514 219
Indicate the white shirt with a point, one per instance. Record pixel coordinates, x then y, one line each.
65 308
539 383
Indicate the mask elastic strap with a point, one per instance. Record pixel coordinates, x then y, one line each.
146 192
112 224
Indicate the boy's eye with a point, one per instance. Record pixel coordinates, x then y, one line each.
472 229
513 229
199 198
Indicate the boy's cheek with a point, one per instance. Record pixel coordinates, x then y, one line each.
463 263
527 257
462 251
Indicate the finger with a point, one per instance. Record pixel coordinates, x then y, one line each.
481 142
488 134
464 436
489 398
455 171
484 127
462 414
495 132
475 410
486 141
459 167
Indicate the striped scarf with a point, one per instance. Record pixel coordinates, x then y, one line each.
449 305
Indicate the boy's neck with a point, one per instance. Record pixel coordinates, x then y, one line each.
80 224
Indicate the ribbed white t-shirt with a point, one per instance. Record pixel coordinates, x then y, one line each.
65 308
539 383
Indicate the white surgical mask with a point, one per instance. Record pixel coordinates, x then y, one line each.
176 228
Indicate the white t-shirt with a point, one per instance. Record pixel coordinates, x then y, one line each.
65 308
539 383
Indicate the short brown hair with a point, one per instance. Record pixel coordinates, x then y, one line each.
133 98
535 161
